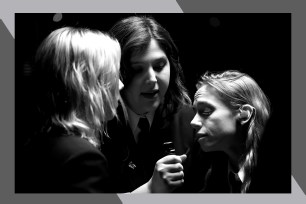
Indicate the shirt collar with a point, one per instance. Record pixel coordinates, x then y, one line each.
240 174
134 118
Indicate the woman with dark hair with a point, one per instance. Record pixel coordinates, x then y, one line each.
231 115
158 107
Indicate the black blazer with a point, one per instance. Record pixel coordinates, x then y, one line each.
128 169
59 163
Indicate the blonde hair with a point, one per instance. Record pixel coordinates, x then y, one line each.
78 74
237 89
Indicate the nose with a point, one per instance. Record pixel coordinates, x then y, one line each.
151 76
121 85
196 123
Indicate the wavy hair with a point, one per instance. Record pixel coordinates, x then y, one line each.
237 89
77 76
134 35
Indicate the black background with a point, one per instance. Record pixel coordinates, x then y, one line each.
257 44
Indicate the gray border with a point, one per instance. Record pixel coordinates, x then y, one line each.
87 6
7 87
7 108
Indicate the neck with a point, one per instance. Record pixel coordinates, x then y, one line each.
235 154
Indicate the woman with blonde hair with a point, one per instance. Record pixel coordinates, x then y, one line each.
77 91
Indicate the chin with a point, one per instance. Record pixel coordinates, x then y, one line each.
148 109
207 148
153 106
204 149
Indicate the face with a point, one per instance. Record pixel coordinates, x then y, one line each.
151 76
214 122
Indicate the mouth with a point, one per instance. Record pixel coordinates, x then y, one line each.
200 136
150 94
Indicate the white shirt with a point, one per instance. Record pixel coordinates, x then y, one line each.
240 174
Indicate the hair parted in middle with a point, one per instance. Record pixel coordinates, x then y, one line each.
134 35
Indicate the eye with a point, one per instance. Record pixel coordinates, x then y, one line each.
207 111
159 65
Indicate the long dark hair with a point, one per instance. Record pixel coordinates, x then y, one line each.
134 35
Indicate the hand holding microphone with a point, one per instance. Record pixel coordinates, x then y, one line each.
168 174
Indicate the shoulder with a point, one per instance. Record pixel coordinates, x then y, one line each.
66 164
74 144
64 148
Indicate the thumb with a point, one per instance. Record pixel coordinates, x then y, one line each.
183 157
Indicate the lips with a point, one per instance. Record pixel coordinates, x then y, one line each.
150 94
199 136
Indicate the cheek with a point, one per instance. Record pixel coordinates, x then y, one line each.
134 85
163 79
224 127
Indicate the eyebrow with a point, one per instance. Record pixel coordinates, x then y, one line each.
158 59
137 62
202 103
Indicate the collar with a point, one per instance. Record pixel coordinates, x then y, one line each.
240 173
134 118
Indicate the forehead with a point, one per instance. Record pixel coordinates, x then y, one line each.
208 95
151 53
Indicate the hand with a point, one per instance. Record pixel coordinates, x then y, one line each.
168 174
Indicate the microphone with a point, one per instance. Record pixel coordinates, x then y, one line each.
168 148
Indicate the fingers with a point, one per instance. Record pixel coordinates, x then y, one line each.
172 168
172 159
171 172
171 164
175 176
176 183
183 157
174 179
168 173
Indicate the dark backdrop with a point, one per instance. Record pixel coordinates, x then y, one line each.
257 44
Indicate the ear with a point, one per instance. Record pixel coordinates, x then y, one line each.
245 113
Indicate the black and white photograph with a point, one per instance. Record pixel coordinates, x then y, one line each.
153 103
